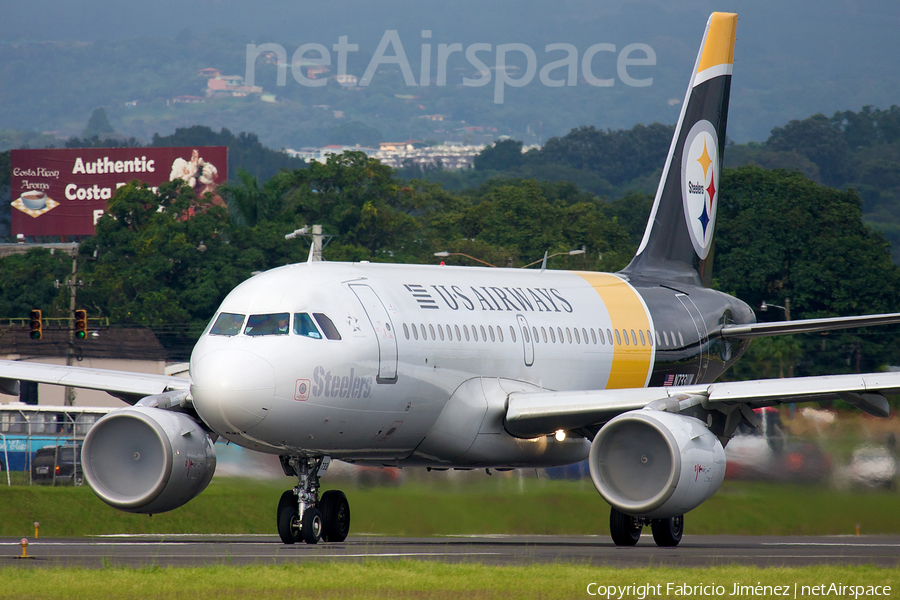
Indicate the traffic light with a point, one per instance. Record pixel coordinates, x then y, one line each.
36 325
80 324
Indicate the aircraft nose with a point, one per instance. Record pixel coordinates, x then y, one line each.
232 389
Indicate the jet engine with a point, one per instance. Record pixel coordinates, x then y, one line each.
648 463
147 460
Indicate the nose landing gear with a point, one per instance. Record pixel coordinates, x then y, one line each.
302 515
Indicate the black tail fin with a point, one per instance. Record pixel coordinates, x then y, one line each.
678 242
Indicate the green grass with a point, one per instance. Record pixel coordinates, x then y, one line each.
435 507
395 580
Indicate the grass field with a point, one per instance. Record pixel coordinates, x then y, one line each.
428 580
507 505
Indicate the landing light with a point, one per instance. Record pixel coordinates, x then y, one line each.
560 435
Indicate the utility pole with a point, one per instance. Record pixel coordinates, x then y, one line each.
72 284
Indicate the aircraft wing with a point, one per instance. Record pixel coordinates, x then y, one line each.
127 386
753 330
532 414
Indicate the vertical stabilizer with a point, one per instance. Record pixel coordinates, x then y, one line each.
678 242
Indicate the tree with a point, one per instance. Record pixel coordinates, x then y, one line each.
780 236
98 124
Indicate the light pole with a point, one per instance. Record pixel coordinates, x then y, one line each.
446 254
570 253
787 317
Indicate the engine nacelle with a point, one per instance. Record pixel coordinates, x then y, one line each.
648 463
147 460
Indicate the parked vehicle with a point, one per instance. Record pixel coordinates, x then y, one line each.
57 465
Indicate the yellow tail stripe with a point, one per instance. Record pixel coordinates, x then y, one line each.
631 363
719 46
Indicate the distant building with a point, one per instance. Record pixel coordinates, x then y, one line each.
230 85
451 156
209 73
348 80
188 100
321 155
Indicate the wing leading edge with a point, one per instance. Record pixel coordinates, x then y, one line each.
127 386
532 414
754 330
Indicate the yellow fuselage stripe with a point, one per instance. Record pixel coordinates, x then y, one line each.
631 363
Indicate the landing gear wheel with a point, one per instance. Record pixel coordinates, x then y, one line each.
625 529
288 518
335 516
311 525
667 532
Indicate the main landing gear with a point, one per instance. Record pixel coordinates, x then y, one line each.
626 530
302 514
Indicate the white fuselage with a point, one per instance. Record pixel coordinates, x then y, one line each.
410 336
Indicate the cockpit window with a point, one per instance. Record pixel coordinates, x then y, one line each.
227 324
327 326
303 325
273 324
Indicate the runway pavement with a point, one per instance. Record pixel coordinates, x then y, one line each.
694 551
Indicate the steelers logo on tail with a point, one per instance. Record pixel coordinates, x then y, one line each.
699 184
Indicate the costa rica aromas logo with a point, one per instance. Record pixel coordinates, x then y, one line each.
700 171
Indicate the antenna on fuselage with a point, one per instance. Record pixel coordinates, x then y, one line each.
544 262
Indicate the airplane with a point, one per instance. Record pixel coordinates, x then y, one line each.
471 367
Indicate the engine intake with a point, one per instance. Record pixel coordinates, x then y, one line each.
648 463
147 460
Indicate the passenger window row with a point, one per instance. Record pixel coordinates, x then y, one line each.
551 335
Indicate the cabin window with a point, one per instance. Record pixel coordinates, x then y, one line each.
491 330
665 338
303 325
424 333
415 332
552 335
643 341
559 334
466 331
512 334
459 337
431 329
483 336
474 333
271 324
594 336
500 333
406 331
584 335
602 339
329 329
649 337
609 336
449 333
569 335
525 334
618 338
535 335
625 335
681 338
227 324
441 332
577 337
633 338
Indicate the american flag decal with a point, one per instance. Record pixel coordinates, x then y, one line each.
421 295
670 380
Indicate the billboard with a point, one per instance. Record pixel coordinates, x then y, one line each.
64 191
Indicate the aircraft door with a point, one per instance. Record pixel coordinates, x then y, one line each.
527 342
384 332
702 334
